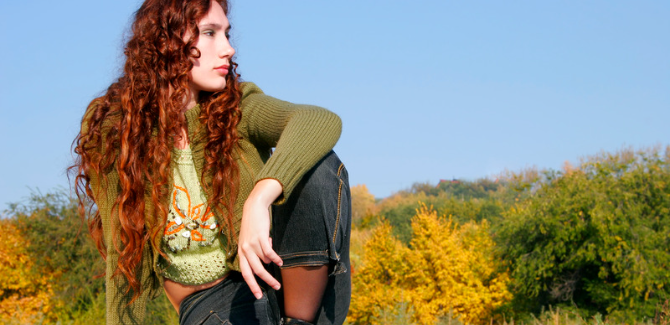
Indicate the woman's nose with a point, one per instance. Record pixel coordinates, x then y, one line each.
227 50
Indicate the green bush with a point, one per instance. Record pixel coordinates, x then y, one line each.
60 244
597 236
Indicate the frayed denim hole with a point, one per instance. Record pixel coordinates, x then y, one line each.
339 268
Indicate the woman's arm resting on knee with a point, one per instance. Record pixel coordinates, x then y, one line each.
254 243
301 134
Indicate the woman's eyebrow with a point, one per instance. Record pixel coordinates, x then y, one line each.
214 26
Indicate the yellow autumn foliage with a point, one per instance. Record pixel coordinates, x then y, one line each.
362 202
453 269
448 269
378 283
24 295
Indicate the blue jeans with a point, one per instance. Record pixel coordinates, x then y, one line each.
229 302
311 228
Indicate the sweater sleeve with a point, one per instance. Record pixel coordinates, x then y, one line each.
118 306
301 135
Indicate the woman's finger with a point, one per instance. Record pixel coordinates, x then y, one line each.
256 249
249 278
260 271
252 263
269 253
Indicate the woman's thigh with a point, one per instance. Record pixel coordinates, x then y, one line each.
229 302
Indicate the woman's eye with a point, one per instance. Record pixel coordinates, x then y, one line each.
227 36
208 32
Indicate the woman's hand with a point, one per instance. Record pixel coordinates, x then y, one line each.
255 244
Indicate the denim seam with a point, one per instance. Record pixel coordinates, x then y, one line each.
339 203
305 263
299 254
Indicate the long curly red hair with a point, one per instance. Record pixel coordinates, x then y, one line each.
131 131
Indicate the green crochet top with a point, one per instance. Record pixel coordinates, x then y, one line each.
301 134
192 240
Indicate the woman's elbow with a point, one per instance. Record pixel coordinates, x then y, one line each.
333 125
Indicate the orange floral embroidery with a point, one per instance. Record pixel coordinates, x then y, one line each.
192 215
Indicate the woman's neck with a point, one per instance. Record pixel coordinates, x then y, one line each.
181 142
190 104
190 101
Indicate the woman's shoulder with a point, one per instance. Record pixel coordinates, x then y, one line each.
101 115
253 99
249 88
104 107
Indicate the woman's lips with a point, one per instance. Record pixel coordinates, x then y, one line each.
222 69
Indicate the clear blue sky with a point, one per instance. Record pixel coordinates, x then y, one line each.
426 89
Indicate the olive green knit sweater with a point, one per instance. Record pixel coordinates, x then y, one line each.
301 134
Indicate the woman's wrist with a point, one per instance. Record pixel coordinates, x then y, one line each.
265 192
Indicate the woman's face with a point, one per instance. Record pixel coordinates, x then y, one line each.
210 69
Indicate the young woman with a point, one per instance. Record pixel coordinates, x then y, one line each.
177 158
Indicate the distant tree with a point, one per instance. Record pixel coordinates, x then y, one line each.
24 293
465 190
452 269
58 243
379 283
58 247
449 270
426 188
362 203
596 235
462 202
